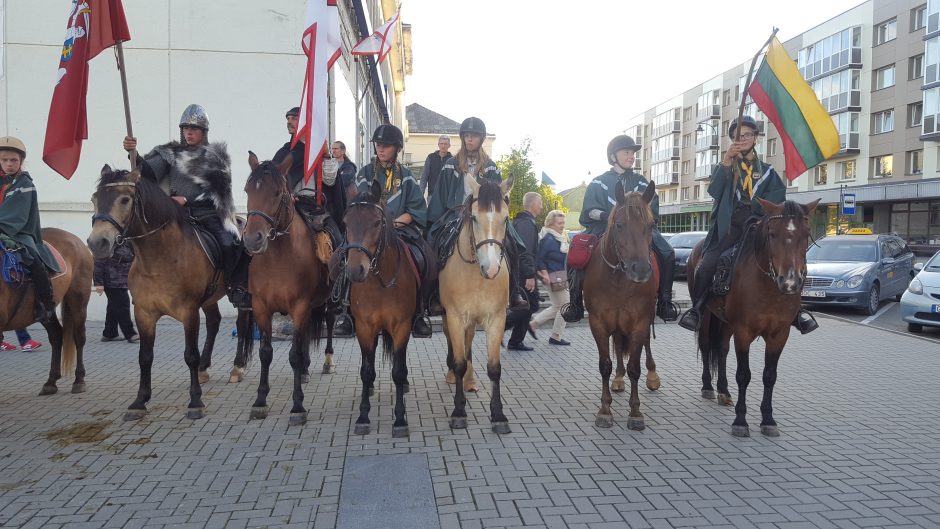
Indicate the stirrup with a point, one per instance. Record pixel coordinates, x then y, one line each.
805 322
572 312
690 320
421 327
667 310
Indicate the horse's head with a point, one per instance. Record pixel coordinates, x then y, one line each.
784 236
114 202
269 203
367 231
488 214
629 233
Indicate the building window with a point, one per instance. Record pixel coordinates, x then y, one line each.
884 77
726 97
772 147
914 162
821 172
932 61
915 67
933 16
686 140
919 18
915 114
685 167
685 193
886 31
687 114
672 195
737 93
883 166
696 192
724 128
838 91
846 170
882 122
847 125
831 53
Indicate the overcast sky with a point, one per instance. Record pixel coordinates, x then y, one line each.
569 74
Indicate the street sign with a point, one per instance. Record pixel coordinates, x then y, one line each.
848 204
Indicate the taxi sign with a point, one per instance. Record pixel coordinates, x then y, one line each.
859 231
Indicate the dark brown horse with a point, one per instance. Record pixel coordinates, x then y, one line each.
286 276
383 295
763 301
71 290
170 276
620 297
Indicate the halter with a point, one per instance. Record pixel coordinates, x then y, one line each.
619 265
138 213
467 218
379 249
275 231
771 272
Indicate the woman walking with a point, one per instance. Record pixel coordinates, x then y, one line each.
550 262
111 280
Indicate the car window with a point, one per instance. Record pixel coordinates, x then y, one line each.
904 251
894 250
885 249
933 263
685 240
842 250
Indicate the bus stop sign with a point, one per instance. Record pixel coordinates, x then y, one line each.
848 204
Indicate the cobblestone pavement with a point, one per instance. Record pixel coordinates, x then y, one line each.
856 407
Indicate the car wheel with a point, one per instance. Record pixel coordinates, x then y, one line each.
874 299
915 327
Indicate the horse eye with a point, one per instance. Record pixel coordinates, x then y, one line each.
376 224
125 201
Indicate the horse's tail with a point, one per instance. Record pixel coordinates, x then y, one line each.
388 346
69 328
317 317
710 342
245 328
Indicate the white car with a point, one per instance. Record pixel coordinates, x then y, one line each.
920 304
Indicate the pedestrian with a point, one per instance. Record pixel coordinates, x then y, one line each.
434 163
346 172
550 262
26 342
527 227
111 280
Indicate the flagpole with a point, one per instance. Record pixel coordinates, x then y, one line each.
747 85
119 48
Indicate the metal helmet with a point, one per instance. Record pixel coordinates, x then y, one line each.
620 143
389 134
474 125
195 116
747 121
9 143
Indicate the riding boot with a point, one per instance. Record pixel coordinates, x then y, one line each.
421 327
343 327
573 311
702 288
236 278
44 304
517 298
665 308
805 322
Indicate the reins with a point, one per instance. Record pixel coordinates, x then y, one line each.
759 226
139 213
619 265
275 230
374 258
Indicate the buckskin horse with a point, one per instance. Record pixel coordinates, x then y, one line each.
474 287
71 289
170 276
763 301
620 297
287 274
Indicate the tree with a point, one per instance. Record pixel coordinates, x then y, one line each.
518 164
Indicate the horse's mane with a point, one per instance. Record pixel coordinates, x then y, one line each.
636 208
490 195
155 205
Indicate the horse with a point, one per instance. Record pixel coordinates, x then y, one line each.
620 292
170 276
287 274
71 290
383 296
763 301
474 287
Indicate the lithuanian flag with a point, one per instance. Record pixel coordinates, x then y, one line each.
808 134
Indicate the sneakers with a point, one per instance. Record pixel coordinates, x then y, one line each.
31 345
4 346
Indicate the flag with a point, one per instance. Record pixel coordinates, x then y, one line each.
379 42
546 180
321 45
92 26
806 130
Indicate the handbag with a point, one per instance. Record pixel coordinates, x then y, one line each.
579 252
558 280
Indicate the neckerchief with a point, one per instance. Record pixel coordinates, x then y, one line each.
747 172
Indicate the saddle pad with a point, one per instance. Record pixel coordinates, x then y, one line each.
209 245
63 265
411 261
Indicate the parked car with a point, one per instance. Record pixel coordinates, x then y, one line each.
667 235
857 271
683 243
920 304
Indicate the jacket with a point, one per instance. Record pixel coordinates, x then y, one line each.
405 195
768 186
527 228
112 272
450 193
19 219
550 256
432 170
601 195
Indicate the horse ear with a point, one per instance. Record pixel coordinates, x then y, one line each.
285 164
376 191
106 170
650 192
471 182
811 206
506 185
621 195
252 160
770 207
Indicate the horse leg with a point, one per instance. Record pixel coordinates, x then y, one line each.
705 347
450 378
604 418
147 331
743 377
191 357
494 334
54 330
245 329
259 410
78 313
458 418
368 342
618 384
722 343
652 379
400 376
470 382
775 343
329 367
213 321
300 362
634 348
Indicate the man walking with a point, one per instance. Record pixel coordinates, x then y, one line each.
527 226
433 164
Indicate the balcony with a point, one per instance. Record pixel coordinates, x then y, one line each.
707 142
707 113
671 127
668 179
848 144
704 172
665 154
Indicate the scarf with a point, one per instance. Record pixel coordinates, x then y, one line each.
747 179
560 237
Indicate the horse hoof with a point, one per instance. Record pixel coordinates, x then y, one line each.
725 400
604 421
134 415
451 378
740 431
636 423
297 419
371 391
48 390
501 427
652 383
258 412
708 394
328 370
618 386
458 423
195 413
362 429
78 388
203 377
304 378
406 388
770 430
400 431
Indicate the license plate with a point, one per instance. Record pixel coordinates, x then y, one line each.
814 293
935 309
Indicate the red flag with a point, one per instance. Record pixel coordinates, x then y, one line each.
93 25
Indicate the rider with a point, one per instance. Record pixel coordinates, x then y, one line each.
19 224
599 199
404 203
452 191
732 212
199 177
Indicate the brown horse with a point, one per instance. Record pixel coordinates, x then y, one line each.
383 295
286 275
763 301
170 276
474 288
620 297
71 290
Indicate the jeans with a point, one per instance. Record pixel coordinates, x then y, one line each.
118 314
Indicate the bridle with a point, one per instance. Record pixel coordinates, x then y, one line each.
138 213
619 265
275 229
467 220
762 227
374 257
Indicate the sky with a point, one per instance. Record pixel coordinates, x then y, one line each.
568 75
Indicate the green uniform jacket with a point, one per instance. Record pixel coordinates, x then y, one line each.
601 194
405 197
768 186
450 193
19 219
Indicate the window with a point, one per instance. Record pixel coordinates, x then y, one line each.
772 147
821 172
686 140
915 114
919 17
846 170
724 127
914 162
687 114
737 93
932 61
685 167
838 91
882 122
847 125
672 195
886 31
915 67
883 166
884 77
696 192
685 193
726 97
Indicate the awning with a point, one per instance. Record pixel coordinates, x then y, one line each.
918 189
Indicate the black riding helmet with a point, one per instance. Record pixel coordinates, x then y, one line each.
389 134
619 143
474 125
747 121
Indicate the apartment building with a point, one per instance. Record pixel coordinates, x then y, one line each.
876 69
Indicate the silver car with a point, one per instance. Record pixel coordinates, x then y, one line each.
920 304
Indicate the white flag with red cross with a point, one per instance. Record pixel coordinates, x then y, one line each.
380 41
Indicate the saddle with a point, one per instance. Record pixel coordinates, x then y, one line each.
445 240
209 245
12 268
319 221
728 261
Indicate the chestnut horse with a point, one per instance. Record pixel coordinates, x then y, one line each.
286 275
763 301
474 288
170 276
620 297
71 290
